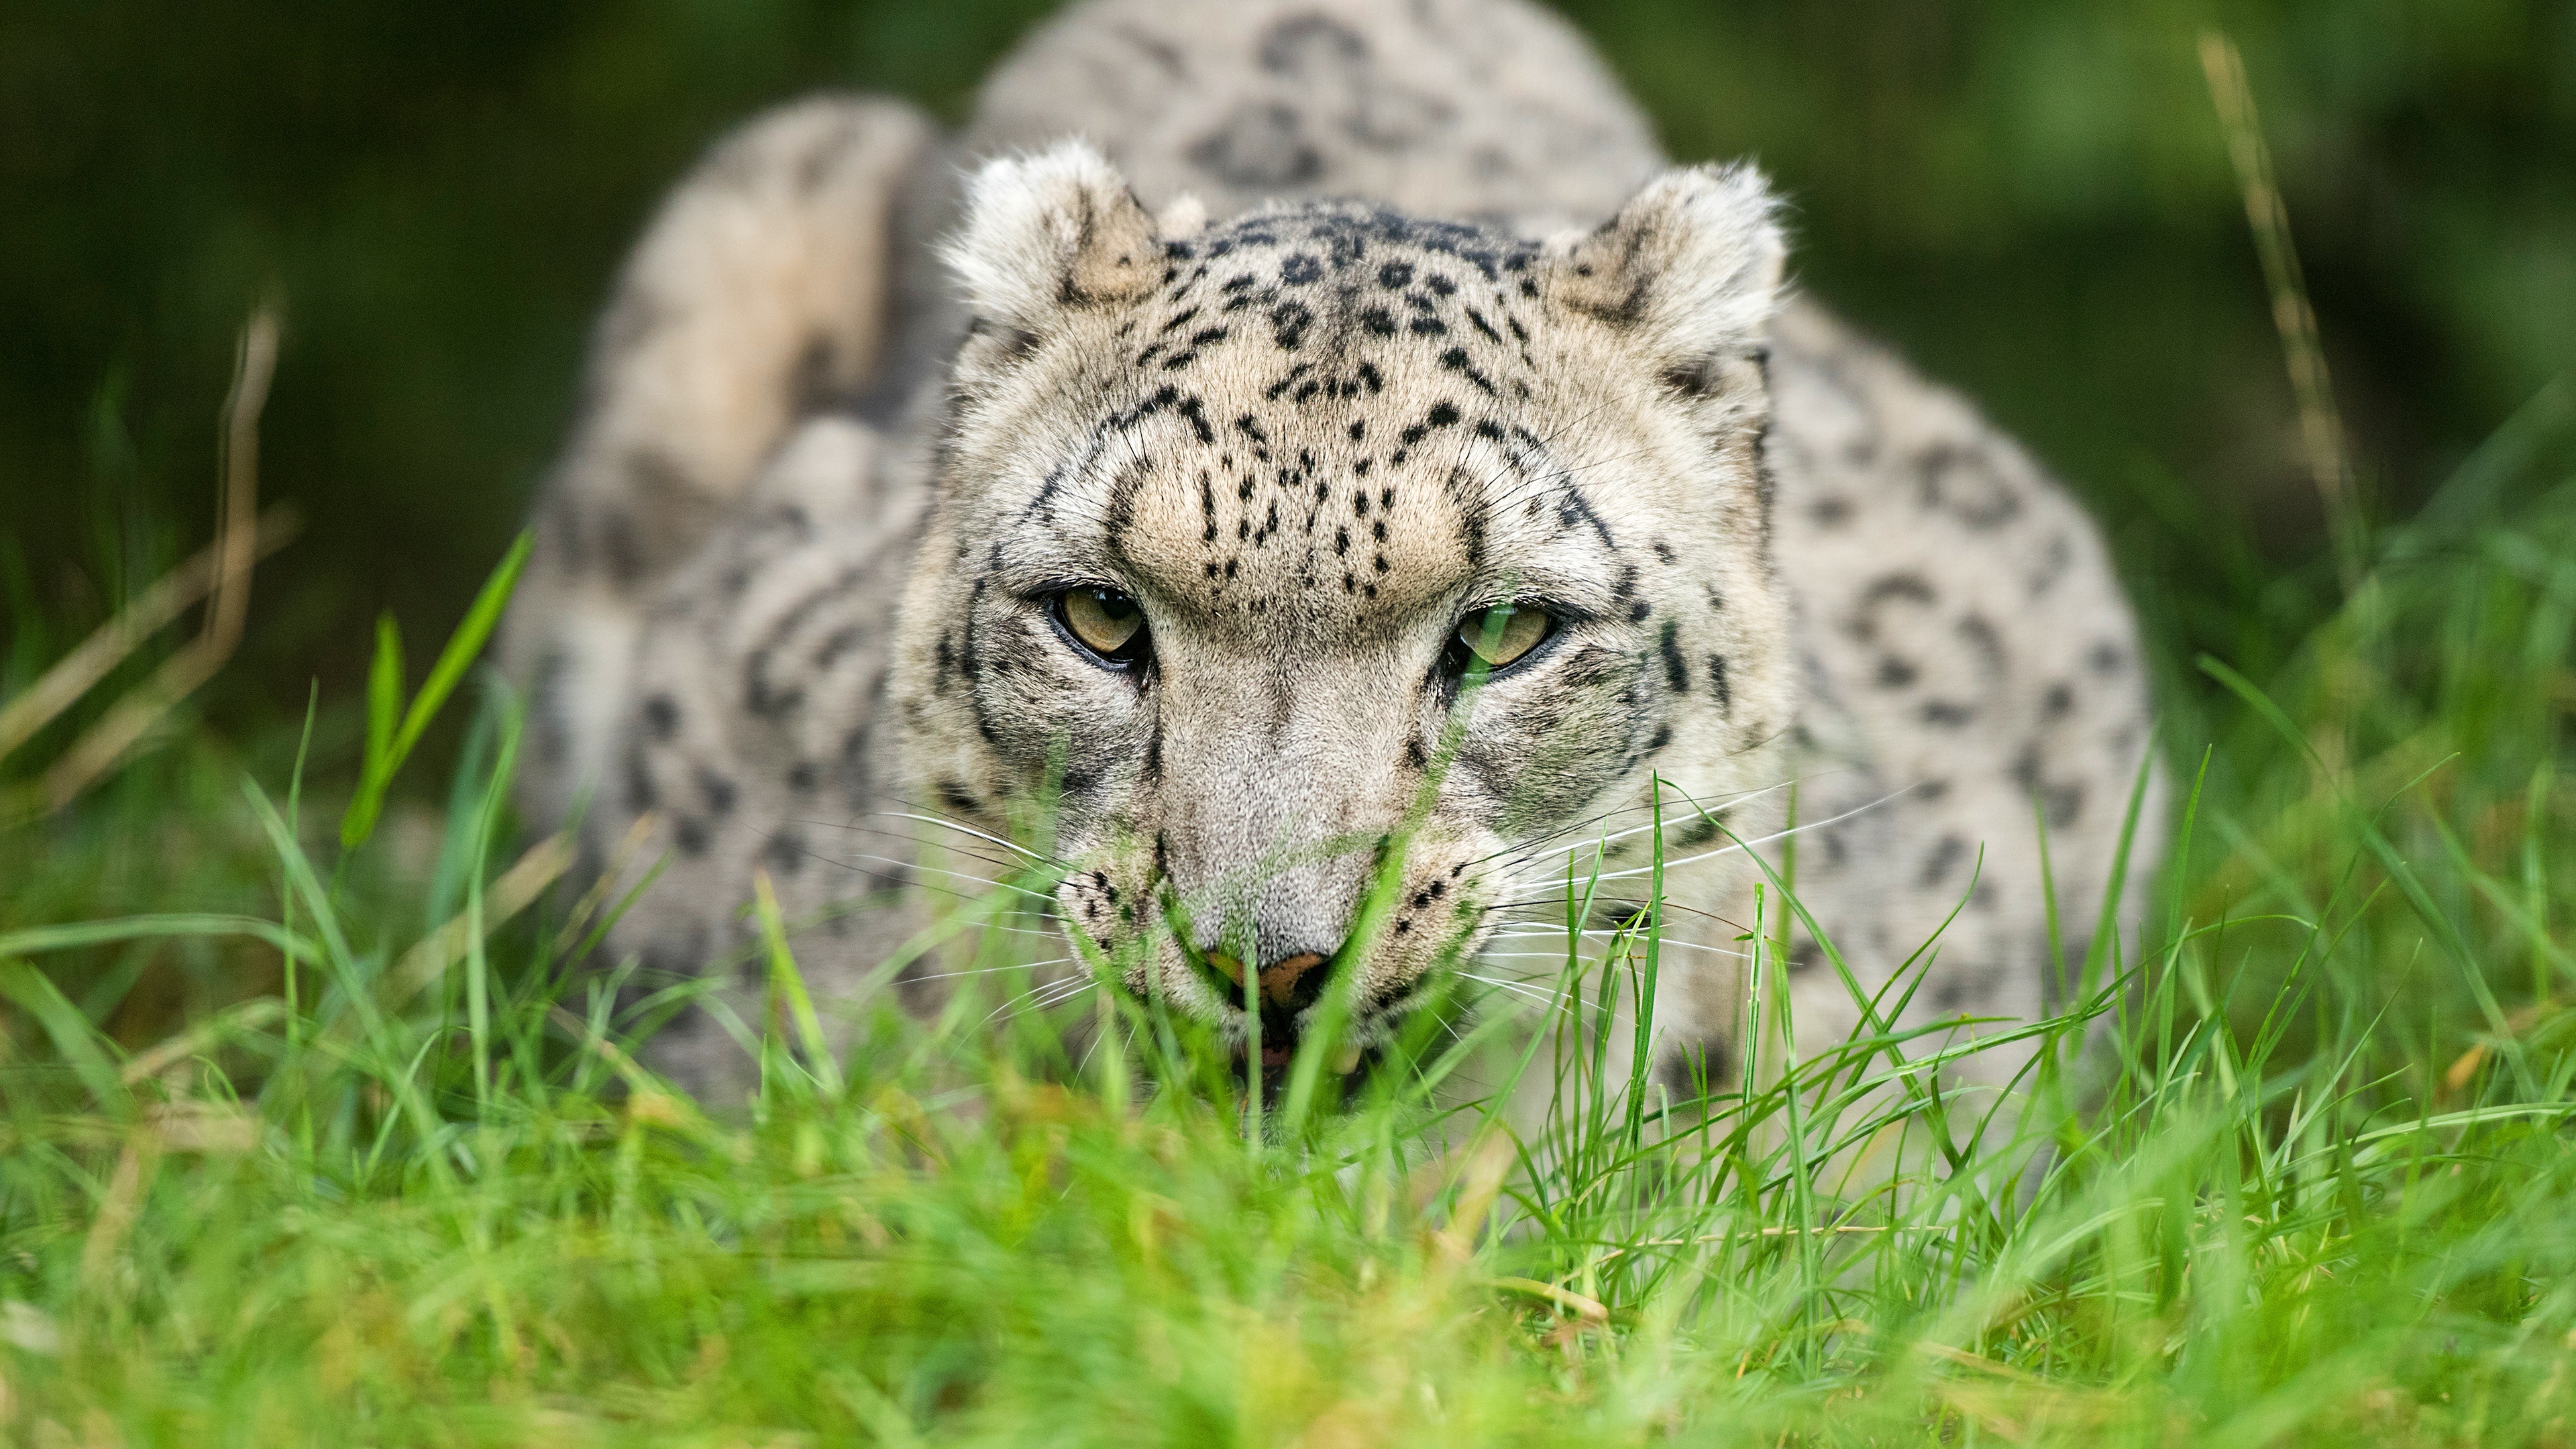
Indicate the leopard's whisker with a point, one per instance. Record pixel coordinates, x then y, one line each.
1631 873
952 874
1538 841
916 810
1519 990
1562 902
1668 944
963 828
843 825
1681 820
1039 999
1732 847
1559 956
989 970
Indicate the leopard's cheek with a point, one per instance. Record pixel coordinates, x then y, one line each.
1106 902
1542 758
1090 905
1055 726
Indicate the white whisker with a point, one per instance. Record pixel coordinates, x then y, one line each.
1669 944
952 874
909 837
1039 998
1519 989
989 970
1729 849
965 829
1675 819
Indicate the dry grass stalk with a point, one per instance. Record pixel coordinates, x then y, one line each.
514 891
223 572
578 920
2320 425
151 611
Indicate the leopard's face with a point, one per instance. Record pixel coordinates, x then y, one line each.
1326 552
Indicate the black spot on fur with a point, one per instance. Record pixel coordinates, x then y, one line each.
1964 482
661 716
716 790
1260 148
1457 361
1289 321
640 794
811 384
785 854
1311 46
1697 1069
1944 859
1910 587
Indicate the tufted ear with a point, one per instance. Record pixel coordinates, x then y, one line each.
1049 233
1689 268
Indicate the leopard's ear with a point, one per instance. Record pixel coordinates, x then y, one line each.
1050 234
1689 269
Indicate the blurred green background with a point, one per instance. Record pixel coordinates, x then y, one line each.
2032 197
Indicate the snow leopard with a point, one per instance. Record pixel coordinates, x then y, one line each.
1321 448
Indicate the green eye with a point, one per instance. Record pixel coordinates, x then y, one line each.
1104 621
1501 635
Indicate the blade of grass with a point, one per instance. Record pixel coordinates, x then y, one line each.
481 618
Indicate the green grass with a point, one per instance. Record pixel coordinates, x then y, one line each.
2317 1186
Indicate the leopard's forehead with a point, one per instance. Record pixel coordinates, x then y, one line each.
1332 411
1320 285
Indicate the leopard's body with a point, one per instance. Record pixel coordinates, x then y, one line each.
1360 319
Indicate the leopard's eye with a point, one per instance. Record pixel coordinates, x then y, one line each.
1502 635
1107 623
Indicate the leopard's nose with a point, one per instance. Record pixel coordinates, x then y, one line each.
1278 980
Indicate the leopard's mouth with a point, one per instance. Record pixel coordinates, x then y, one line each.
1352 1066
1286 1005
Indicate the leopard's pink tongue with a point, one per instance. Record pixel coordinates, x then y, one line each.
1277 1056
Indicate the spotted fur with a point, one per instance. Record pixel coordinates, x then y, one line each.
1347 322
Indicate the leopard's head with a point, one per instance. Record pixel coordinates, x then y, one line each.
1325 550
